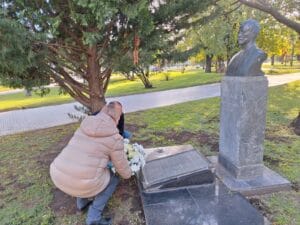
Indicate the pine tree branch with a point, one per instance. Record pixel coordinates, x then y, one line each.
78 40
106 80
73 83
64 76
79 97
69 57
106 39
232 10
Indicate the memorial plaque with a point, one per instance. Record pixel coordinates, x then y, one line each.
174 167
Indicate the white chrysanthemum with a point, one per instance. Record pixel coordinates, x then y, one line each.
135 153
135 168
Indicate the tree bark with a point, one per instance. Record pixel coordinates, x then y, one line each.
28 92
292 54
265 7
220 65
272 60
208 62
144 77
96 89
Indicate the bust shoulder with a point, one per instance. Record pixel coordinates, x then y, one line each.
247 62
256 52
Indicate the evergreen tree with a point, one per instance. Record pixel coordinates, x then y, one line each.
86 38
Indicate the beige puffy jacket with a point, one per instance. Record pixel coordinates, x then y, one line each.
80 169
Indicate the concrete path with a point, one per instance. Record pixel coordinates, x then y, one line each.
49 116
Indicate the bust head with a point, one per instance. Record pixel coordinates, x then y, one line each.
248 33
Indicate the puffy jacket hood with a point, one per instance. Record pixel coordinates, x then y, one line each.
101 125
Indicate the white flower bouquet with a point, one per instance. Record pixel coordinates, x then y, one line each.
135 155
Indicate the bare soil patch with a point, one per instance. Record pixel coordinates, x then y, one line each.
261 207
127 191
271 160
134 128
131 208
200 137
296 125
277 139
62 203
296 186
46 159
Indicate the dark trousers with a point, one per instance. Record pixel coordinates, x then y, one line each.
100 200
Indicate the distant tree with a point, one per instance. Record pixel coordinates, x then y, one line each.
140 70
216 39
297 48
273 38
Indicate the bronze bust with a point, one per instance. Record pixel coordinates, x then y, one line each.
248 61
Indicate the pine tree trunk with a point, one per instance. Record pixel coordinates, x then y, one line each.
208 63
272 60
145 80
28 92
96 89
221 65
144 77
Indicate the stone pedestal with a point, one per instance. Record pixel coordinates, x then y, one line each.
242 126
242 131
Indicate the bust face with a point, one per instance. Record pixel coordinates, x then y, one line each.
246 35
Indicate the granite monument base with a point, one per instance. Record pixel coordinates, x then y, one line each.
242 125
268 182
178 187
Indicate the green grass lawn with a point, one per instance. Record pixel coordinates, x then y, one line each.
20 101
176 80
27 195
118 86
279 68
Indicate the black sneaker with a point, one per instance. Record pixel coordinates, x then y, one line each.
103 221
84 208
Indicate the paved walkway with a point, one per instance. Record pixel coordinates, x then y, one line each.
49 116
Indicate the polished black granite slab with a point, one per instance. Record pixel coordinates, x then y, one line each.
202 205
174 167
178 187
